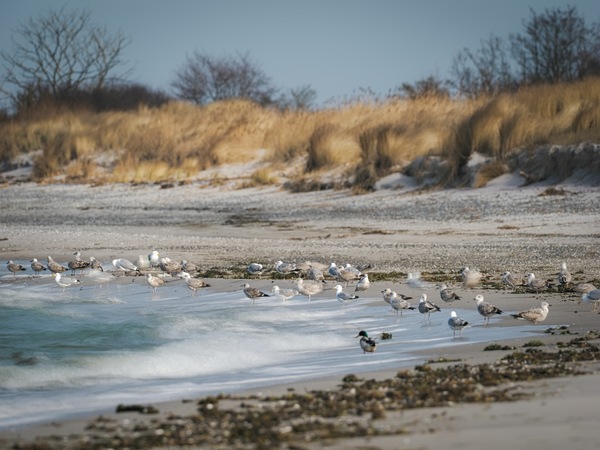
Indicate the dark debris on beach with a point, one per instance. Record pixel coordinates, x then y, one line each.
357 408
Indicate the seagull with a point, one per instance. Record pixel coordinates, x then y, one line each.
315 274
363 284
14 267
154 282
564 276
414 281
54 267
285 268
342 275
64 282
342 296
366 343
427 307
309 288
388 294
189 267
447 294
592 296
399 304
486 309
193 283
350 268
283 294
583 288
535 315
253 293
168 266
154 259
78 264
535 284
456 323
255 269
470 277
95 264
37 266
125 265
512 280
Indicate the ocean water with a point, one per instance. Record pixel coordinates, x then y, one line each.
89 348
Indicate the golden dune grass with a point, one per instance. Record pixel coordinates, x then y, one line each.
362 140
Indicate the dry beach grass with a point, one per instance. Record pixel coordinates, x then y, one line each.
493 229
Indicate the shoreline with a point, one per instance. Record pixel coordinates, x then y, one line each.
493 229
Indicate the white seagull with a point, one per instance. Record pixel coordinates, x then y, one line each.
486 309
363 284
285 268
535 315
283 294
125 265
255 269
154 259
536 284
343 297
592 296
456 323
564 276
64 282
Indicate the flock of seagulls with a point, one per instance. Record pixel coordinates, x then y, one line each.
315 278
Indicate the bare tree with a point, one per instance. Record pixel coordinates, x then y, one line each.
62 52
432 86
302 97
204 78
486 70
554 46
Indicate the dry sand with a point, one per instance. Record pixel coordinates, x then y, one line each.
501 227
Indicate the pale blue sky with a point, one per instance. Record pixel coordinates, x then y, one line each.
336 46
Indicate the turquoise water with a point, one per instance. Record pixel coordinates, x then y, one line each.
91 347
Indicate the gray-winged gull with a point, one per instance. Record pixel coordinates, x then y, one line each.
564 276
343 297
486 309
447 294
14 267
456 323
283 294
64 282
37 266
427 307
593 297
253 293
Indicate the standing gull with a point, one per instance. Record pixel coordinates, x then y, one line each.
363 284
366 343
283 294
564 276
253 293
592 296
14 267
486 309
343 297
37 266
536 284
154 282
315 274
427 307
78 264
399 304
255 269
456 323
154 259
55 267
64 282
309 288
193 284
447 294
512 280
285 268
535 315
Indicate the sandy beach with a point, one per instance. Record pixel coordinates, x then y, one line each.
396 230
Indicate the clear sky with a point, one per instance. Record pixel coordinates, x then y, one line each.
335 46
